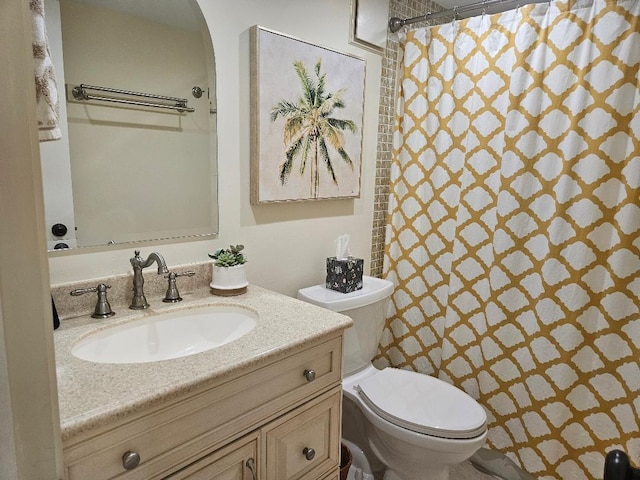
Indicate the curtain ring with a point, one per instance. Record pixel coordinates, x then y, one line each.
455 12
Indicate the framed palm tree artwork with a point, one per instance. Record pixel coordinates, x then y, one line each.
307 106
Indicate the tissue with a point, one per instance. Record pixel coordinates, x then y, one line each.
344 272
342 247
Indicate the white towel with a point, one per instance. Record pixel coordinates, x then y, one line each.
46 88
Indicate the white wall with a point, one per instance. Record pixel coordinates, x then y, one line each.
30 444
286 243
8 458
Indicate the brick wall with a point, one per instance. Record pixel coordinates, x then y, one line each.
401 9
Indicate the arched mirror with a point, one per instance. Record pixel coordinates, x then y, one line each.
141 118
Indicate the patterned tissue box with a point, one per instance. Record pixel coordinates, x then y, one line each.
344 275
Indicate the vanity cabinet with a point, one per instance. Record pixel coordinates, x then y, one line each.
275 421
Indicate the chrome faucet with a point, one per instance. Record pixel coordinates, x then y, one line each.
139 302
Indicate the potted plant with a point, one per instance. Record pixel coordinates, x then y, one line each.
228 276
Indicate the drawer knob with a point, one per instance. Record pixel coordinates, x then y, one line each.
309 453
130 460
310 375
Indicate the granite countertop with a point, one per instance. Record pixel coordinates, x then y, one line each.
95 394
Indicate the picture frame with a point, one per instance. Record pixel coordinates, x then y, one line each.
369 24
307 114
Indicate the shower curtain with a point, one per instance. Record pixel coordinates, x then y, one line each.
514 226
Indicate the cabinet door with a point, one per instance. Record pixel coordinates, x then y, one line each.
332 476
237 461
305 444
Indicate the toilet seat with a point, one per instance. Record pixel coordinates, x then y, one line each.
422 404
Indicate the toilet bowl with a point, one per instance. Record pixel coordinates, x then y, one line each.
417 425
411 426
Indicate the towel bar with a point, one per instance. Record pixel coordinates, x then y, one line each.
79 92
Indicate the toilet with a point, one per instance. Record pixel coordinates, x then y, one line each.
409 425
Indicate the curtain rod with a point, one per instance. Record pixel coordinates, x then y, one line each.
396 23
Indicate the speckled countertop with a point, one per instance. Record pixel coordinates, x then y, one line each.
95 394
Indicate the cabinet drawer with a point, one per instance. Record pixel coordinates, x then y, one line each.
305 444
173 435
237 461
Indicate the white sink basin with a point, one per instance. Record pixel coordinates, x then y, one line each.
166 336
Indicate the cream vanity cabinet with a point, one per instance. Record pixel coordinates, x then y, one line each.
279 420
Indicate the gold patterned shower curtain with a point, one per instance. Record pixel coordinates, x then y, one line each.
514 226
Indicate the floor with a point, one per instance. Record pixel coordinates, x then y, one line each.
465 471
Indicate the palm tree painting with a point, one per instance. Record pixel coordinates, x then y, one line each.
307 106
310 128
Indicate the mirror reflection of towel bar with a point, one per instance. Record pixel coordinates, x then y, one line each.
79 92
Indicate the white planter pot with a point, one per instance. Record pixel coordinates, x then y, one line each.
228 280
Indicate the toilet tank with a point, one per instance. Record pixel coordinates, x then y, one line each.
367 307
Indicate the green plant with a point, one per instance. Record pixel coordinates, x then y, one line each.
229 257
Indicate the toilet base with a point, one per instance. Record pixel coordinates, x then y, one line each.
423 471
442 475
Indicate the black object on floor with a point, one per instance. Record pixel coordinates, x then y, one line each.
618 467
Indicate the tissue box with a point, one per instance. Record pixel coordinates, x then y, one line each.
344 275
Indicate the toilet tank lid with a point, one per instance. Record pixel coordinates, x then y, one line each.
373 289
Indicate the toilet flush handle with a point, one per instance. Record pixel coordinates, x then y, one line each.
310 375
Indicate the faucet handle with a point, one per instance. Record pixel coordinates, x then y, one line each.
188 273
103 309
172 294
136 259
